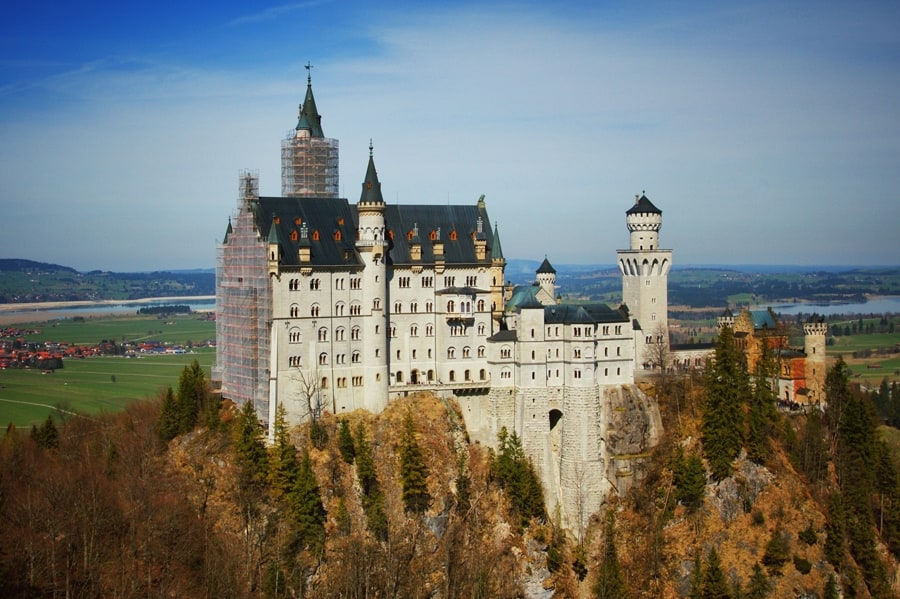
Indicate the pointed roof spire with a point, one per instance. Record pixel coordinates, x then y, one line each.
228 231
273 231
496 250
371 187
546 267
309 117
642 205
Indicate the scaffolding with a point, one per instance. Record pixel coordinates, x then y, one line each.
243 304
309 165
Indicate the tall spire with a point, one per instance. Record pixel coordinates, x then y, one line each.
371 188
496 250
309 117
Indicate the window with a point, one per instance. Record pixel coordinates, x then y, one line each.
427 281
452 375
339 309
618 329
339 283
376 304
451 306
451 353
314 310
449 281
323 334
354 334
481 351
577 374
357 381
398 307
471 281
467 351
403 282
505 352
339 334
355 283
413 307
314 284
323 359
481 328
393 330
355 309
295 310
354 357
294 361
606 330
429 330
506 373
414 331
324 384
294 335
467 375
577 353
481 305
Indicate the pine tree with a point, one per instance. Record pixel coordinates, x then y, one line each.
696 591
513 471
47 436
306 509
835 536
727 387
413 471
192 392
345 442
762 416
714 584
759 586
777 552
282 459
372 499
250 449
610 580
832 590
690 480
169 426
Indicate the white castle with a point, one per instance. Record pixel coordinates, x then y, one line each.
328 305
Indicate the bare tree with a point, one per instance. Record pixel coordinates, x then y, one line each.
661 356
310 392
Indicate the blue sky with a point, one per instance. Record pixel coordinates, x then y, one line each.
767 132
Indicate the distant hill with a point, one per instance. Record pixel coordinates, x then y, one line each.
21 265
24 281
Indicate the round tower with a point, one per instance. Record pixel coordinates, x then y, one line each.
546 278
815 333
372 245
645 279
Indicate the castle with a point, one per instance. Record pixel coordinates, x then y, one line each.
323 304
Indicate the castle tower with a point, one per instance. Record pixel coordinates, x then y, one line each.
498 265
372 246
645 274
815 332
546 278
309 160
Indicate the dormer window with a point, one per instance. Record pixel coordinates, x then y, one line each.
337 235
315 235
453 235
294 235
433 235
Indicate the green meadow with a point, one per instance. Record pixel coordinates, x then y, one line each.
101 383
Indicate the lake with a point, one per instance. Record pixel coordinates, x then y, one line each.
878 305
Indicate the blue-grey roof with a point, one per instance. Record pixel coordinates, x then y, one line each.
643 206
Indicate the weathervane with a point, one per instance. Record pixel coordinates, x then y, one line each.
308 66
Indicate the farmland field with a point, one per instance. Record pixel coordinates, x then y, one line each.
101 383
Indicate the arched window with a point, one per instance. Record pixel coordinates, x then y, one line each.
295 310
323 334
323 359
294 335
451 306
314 310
